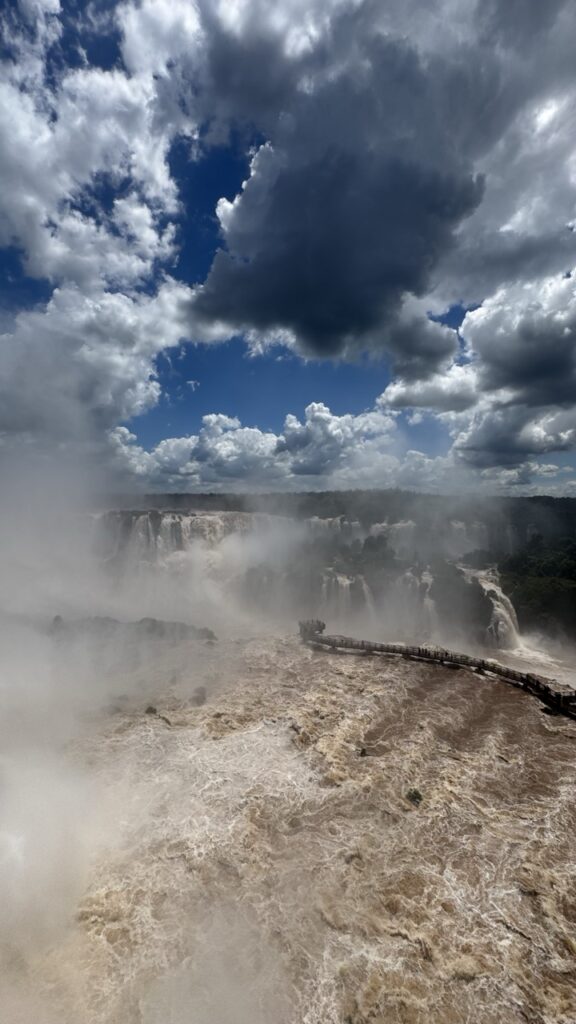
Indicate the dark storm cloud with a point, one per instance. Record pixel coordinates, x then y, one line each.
369 171
403 161
338 244
517 22
508 436
523 341
246 79
523 348
350 206
539 365
488 260
408 156
419 348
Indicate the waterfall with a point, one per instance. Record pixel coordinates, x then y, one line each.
190 561
408 588
503 630
340 528
336 596
402 538
200 566
344 595
136 539
368 597
429 612
324 593
404 609
148 536
169 537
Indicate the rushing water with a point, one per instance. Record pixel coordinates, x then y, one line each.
244 831
283 568
503 630
323 840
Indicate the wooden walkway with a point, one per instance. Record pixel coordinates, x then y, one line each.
552 694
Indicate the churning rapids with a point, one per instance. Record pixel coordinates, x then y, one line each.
240 830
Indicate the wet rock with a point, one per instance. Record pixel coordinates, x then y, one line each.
105 627
151 710
415 797
174 631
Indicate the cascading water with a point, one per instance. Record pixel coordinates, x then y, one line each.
401 537
344 596
240 829
152 535
368 596
336 595
249 556
429 613
503 630
339 528
198 566
283 568
408 590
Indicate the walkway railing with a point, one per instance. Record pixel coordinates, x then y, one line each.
560 700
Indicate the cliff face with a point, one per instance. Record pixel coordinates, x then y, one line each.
464 602
507 523
375 580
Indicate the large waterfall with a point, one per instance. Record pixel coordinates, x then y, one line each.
149 536
503 630
240 564
231 827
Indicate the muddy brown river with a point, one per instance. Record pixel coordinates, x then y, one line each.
324 839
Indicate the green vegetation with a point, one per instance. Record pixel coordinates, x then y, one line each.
540 560
509 522
541 581
532 540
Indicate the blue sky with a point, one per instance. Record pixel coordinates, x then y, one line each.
17 290
258 389
245 248
201 183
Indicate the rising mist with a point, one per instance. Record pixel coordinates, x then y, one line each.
168 746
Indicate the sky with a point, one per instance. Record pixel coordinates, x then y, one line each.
290 246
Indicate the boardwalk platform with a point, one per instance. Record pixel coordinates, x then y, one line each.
558 698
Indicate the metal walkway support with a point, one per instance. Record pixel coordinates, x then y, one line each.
562 701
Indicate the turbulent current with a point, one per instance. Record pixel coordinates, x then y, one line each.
243 830
325 839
